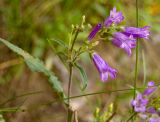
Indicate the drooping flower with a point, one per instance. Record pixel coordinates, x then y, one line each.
94 31
154 120
139 103
114 17
150 89
137 32
103 68
122 41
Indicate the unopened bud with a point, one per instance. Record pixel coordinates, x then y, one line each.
83 19
111 107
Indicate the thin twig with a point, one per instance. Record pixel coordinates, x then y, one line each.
15 97
131 117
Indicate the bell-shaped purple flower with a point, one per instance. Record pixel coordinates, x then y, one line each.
122 41
94 31
103 68
150 89
137 32
115 17
139 103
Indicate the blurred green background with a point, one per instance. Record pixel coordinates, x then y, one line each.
29 23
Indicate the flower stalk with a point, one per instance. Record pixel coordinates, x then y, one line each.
137 53
71 62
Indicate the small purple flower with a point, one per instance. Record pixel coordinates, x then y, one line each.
122 41
103 68
151 110
154 120
94 31
139 103
115 17
150 89
137 32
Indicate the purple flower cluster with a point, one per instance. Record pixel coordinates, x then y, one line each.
125 39
141 102
114 18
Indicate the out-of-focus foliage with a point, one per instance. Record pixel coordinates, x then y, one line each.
1 118
106 115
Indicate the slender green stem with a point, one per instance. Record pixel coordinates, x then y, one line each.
90 94
9 109
69 91
74 40
22 95
137 55
69 82
131 117
69 116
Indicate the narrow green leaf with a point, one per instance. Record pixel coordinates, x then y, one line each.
36 65
83 76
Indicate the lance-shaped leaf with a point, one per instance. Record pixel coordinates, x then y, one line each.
83 76
36 65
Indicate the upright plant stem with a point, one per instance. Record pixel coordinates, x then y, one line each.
137 55
69 91
69 116
69 82
137 52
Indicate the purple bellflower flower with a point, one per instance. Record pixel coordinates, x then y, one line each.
122 41
154 120
139 103
94 31
115 17
137 32
103 68
150 89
